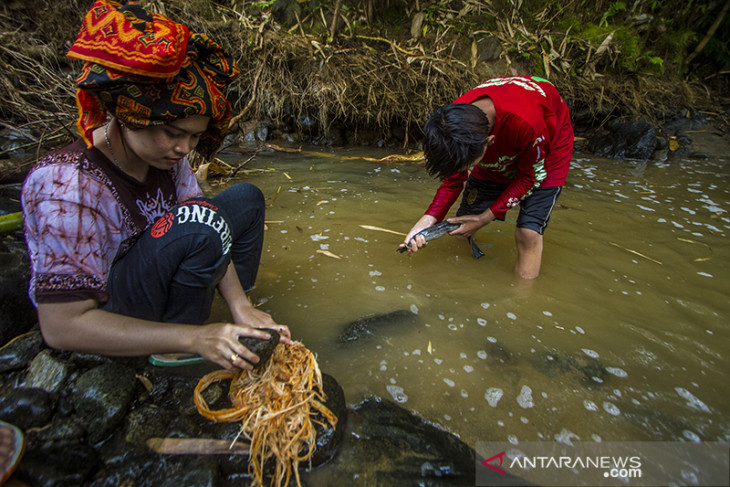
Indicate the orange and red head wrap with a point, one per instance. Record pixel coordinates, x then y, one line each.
147 70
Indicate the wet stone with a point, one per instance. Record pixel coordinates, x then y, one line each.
47 372
387 445
102 396
61 432
57 467
176 471
626 140
18 353
328 438
148 421
27 408
262 348
17 314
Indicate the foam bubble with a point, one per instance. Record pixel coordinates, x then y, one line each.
590 405
692 401
525 398
617 372
611 408
397 393
590 353
493 395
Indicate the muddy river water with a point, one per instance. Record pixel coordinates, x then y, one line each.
623 337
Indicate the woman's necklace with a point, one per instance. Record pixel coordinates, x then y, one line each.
109 146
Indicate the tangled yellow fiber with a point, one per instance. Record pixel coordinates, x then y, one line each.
277 405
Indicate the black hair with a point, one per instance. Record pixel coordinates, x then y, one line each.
454 136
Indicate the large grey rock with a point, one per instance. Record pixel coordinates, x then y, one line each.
626 140
101 398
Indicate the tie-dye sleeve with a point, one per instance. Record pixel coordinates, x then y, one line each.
73 231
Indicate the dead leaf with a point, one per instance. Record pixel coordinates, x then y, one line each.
370 227
329 254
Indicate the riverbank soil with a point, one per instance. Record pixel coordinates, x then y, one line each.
369 72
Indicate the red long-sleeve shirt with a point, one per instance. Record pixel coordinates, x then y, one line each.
533 143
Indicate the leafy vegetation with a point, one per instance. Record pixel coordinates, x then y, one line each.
379 64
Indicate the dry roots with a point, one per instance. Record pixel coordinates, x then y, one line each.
276 404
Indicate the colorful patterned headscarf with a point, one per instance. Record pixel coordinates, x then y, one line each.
147 70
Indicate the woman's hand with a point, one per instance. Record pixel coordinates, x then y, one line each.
254 318
413 244
218 343
244 313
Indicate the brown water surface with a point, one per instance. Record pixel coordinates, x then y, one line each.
623 337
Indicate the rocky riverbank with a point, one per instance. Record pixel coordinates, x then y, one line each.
93 421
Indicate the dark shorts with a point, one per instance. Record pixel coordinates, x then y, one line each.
535 210
170 274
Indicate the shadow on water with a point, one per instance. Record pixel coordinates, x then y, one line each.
623 337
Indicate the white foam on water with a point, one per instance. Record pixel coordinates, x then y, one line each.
482 354
590 353
468 369
617 372
566 436
414 309
492 339
449 382
611 408
397 393
692 401
525 398
380 288
513 439
692 436
493 395
375 273
485 305
482 322
590 405
511 316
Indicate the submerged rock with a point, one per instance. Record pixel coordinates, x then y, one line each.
369 325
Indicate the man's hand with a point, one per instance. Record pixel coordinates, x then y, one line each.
413 244
471 223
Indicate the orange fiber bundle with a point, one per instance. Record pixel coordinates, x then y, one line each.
276 404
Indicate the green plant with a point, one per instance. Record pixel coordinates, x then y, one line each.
612 10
